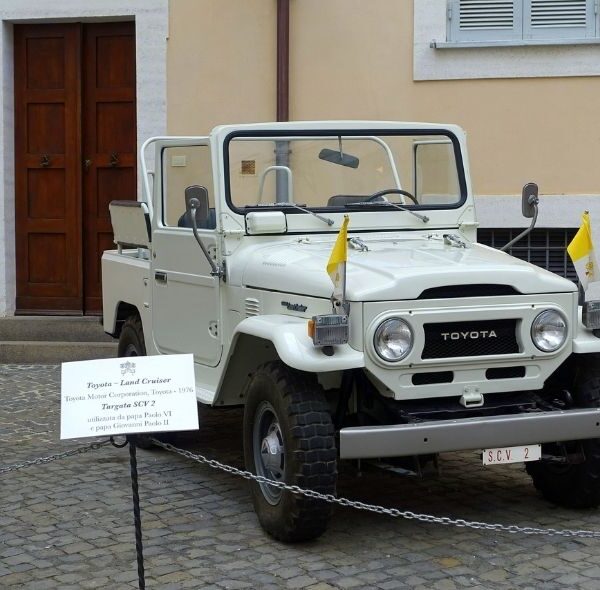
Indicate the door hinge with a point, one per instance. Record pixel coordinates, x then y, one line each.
449 9
220 271
213 329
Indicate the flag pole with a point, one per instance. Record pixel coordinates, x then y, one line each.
336 268
344 303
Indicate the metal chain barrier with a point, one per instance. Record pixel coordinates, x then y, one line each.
407 514
394 512
40 461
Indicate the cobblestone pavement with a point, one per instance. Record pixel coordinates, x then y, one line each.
68 524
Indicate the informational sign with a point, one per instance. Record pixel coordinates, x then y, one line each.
128 395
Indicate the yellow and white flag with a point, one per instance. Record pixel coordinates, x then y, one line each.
336 266
581 251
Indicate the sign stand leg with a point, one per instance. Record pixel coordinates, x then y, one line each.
137 518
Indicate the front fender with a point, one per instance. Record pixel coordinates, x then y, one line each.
585 342
295 348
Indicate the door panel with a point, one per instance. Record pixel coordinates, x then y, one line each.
109 141
185 296
47 168
46 193
185 301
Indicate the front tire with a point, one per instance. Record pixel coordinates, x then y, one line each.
288 437
574 485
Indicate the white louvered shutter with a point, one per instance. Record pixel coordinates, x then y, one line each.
559 19
485 20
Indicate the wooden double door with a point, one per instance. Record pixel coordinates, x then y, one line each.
75 151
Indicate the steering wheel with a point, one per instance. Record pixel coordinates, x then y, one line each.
392 191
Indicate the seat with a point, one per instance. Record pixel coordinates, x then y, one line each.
341 200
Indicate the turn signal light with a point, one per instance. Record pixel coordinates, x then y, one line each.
328 330
591 315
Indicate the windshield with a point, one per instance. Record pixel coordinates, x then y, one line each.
344 171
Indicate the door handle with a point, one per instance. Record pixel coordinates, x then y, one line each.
160 277
45 161
114 159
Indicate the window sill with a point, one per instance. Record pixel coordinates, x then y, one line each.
511 43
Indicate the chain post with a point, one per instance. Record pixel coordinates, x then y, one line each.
137 517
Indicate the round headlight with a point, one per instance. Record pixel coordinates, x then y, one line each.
393 339
549 330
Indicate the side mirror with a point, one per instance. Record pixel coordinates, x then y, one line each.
529 200
529 207
197 197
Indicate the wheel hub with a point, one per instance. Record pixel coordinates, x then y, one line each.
271 451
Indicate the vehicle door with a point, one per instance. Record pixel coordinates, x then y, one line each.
185 296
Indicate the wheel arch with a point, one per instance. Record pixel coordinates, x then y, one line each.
246 354
113 322
586 343
260 339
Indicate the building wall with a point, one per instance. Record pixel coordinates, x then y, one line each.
354 59
221 63
348 59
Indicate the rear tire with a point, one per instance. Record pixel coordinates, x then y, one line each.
574 485
288 437
131 343
131 340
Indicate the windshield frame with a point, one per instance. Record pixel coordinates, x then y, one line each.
291 133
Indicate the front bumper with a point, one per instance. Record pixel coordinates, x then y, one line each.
422 438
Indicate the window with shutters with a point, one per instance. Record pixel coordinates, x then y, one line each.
523 39
521 20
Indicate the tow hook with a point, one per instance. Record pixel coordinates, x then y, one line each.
471 399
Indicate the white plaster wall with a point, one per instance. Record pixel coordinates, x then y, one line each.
7 185
152 25
532 61
554 210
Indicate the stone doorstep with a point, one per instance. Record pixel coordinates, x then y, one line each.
35 352
52 329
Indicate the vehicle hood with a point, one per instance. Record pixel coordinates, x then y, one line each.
393 268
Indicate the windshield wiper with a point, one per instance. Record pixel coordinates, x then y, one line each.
326 220
423 218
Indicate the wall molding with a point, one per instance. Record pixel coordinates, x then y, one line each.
558 211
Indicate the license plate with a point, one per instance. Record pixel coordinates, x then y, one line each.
512 454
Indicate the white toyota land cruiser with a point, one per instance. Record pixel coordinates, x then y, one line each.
435 343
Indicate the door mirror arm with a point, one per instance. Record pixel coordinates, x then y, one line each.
216 270
529 207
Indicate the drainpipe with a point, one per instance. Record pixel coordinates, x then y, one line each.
283 60
282 150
